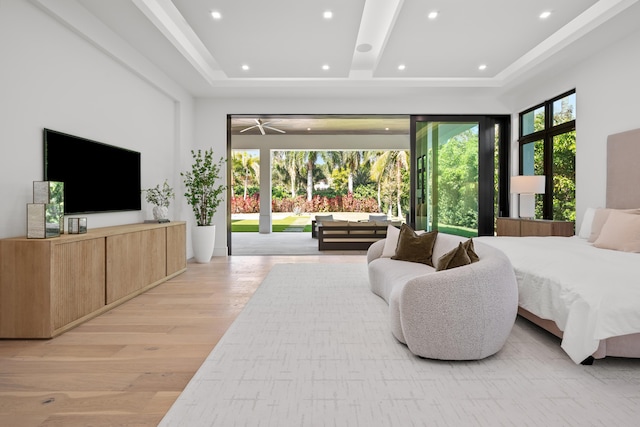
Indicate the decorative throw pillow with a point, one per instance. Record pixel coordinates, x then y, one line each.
600 217
471 251
414 247
621 232
320 218
456 257
391 242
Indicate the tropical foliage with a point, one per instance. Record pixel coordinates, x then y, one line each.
246 170
458 181
325 181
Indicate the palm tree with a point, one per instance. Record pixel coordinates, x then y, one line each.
247 167
349 159
311 157
352 160
377 172
290 162
388 164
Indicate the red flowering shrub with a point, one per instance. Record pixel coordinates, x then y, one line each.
300 204
249 205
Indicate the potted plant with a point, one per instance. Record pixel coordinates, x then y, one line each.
160 197
204 195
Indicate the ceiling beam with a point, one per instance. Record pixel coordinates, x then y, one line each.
587 21
170 22
378 19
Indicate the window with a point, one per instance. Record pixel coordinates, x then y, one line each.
548 147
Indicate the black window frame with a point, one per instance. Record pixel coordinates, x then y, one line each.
546 135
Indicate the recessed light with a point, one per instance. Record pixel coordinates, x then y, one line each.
308 128
325 67
216 15
245 67
545 15
364 47
482 67
433 15
327 14
401 67
386 128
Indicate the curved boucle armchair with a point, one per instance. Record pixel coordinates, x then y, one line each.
464 313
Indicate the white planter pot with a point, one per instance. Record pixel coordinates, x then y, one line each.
160 212
203 238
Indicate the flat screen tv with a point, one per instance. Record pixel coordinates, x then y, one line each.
97 177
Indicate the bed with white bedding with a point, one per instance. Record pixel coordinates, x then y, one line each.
586 289
591 294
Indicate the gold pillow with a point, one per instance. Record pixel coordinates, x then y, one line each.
471 251
414 247
454 258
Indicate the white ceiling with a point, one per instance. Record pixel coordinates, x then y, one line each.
286 42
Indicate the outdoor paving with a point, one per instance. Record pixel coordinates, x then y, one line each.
307 217
293 242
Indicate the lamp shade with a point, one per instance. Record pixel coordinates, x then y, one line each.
527 184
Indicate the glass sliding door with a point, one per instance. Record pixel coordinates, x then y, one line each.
455 191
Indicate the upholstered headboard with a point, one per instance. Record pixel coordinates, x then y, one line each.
623 170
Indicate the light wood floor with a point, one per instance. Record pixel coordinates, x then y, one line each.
129 365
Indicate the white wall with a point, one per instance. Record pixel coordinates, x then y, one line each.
211 114
607 92
97 87
53 78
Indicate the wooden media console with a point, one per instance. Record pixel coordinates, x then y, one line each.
48 286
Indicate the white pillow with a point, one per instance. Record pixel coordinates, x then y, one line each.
381 217
587 221
391 242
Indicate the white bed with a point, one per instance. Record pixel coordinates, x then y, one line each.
588 296
591 294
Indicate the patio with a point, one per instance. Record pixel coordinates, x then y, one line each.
294 242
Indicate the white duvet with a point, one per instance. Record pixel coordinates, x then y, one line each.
591 293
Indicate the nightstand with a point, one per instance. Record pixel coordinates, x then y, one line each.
521 227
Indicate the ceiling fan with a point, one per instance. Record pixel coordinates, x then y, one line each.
262 126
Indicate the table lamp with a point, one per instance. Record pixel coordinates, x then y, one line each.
527 186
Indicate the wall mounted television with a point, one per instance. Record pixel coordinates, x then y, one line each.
97 177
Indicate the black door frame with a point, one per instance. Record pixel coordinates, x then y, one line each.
486 166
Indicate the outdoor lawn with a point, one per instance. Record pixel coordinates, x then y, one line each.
294 223
302 223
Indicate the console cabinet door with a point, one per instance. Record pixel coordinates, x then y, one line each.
176 248
24 288
134 261
78 280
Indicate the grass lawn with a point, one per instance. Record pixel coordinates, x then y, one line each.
459 231
277 225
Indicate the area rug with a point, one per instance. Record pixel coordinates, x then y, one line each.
313 348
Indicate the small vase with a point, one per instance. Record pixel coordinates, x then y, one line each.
160 213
